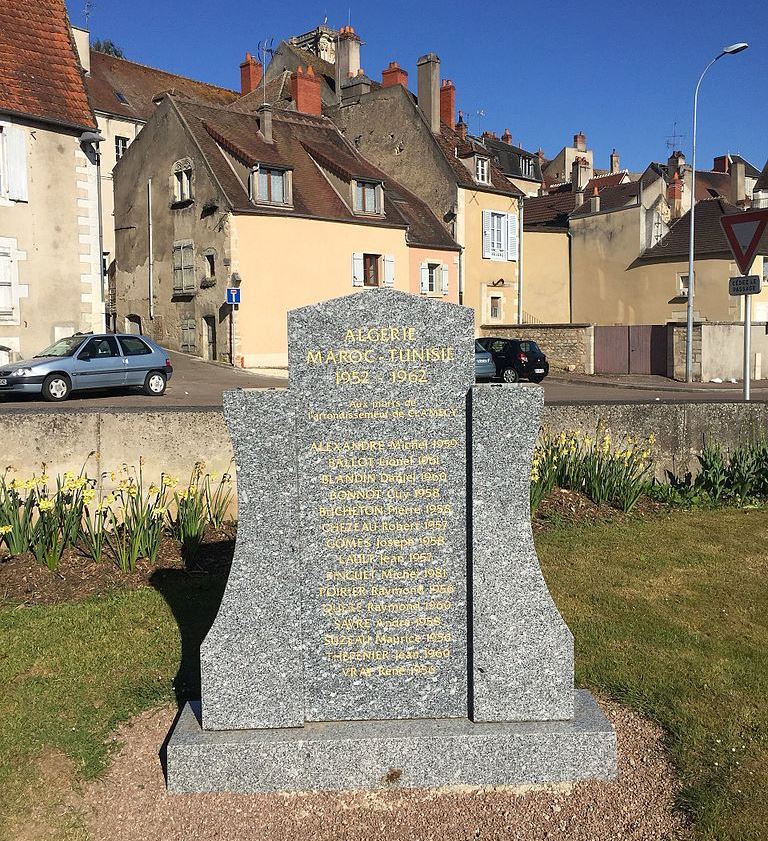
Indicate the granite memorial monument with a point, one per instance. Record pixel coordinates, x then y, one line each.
385 621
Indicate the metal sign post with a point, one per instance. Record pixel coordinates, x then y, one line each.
746 285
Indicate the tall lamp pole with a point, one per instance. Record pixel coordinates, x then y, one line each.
732 50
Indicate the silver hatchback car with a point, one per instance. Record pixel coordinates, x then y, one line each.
485 367
86 361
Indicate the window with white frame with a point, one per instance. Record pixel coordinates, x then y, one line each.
373 269
682 285
434 279
495 306
482 170
121 146
182 181
367 197
13 163
526 167
183 267
7 297
500 235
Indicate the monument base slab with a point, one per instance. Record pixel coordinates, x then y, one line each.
423 753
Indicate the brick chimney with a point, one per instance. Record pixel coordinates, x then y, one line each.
461 127
429 90
675 196
305 87
348 54
594 201
721 163
265 121
580 174
738 182
580 142
251 72
394 75
614 162
448 103
507 137
676 161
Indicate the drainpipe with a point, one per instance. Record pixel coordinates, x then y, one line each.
520 264
570 276
150 255
461 275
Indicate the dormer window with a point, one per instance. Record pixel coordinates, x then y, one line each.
526 167
369 197
181 181
482 170
268 185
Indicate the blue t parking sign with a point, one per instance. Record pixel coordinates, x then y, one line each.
233 295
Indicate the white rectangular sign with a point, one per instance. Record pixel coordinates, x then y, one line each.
749 284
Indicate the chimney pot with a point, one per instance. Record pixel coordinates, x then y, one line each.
461 127
738 182
614 162
507 136
394 75
428 67
251 72
265 121
448 103
305 87
580 141
348 54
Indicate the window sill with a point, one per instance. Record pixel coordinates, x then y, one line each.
375 214
180 205
182 293
281 205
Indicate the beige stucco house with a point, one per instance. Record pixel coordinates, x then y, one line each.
50 278
276 203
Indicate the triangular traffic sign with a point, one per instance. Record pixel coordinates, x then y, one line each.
743 232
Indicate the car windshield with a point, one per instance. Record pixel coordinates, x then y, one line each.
479 348
64 347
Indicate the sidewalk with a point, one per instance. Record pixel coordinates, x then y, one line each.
649 382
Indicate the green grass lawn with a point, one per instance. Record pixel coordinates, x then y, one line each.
669 615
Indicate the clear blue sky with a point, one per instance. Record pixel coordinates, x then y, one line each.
623 72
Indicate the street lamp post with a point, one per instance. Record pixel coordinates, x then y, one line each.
732 50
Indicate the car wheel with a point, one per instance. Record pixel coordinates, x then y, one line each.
56 388
154 384
537 379
509 375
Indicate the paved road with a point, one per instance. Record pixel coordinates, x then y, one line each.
196 383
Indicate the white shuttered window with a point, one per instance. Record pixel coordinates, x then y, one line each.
13 163
500 235
389 270
6 284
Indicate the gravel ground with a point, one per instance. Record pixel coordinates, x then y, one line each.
130 803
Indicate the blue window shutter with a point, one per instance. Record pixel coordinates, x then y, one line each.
16 150
487 234
357 269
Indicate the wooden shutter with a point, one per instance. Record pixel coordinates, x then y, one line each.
444 279
178 281
424 278
389 270
357 269
16 150
6 283
512 246
487 234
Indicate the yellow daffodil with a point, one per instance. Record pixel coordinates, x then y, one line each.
46 504
5 529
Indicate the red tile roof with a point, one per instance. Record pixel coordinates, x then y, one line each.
609 180
112 78
307 145
611 198
40 75
451 145
548 211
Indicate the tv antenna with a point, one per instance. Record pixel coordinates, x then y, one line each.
87 9
674 140
264 51
479 114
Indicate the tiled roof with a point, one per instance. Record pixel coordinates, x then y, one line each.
611 198
762 181
709 239
451 145
712 185
127 89
610 179
277 92
508 158
305 144
40 75
549 211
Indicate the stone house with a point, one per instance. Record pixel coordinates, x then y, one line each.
50 267
277 203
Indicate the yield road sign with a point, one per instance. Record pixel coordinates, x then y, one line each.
233 295
749 284
743 231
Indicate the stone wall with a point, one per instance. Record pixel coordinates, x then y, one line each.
172 441
718 350
569 347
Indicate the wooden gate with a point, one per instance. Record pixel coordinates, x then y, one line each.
635 349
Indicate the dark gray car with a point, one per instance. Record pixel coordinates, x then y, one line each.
87 361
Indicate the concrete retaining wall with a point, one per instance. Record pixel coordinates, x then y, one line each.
172 441
569 347
718 350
